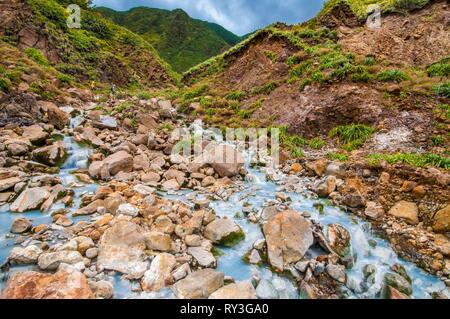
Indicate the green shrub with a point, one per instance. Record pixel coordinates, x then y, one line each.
65 78
442 89
369 60
300 69
83 42
337 157
195 92
265 89
271 55
235 96
317 143
352 136
361 74
36 56
407 5
5 84
94 23
437 140
51 10
418 160
392 76
441 68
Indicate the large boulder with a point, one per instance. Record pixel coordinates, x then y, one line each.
122 249
224 231
21 225
113 164
54 114
203 257
30 199
105 122
441 220
159 273
288 237
25 256
35 134
407 211
52 155
225 159
65 284
51 261
339 239
241 290
199 285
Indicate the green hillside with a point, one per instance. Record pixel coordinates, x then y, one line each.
182 41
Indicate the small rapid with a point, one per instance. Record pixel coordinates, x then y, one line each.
255 193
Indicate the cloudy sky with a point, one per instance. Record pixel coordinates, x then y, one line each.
238 16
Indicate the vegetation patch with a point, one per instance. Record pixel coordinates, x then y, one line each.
352 136
413 159
392 76
441 68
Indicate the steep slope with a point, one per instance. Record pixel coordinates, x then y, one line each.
313 80
98 51
180 40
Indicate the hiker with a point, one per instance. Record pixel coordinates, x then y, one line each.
113 91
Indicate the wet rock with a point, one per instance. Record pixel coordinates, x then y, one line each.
163 224
241 290
105 122
17 147
265 290
443 244
52 155
25 256
339 239
318 167
335 169
122 248
181 272
173 174
224 231
51 261
407 211
102 289
203 257
398 282
89 209
9 183
288 238
326 188
113 164
374 211
441 220
65 284
337 273
254 257
21 225
128 210
399 269
392 293
150 177
159 273
225 160
35 134
158 241
90 136
55 115
171 185
306 291
91 253
199 285
30 199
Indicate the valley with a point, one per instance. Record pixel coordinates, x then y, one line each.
98 201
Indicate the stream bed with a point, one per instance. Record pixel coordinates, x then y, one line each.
255 192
